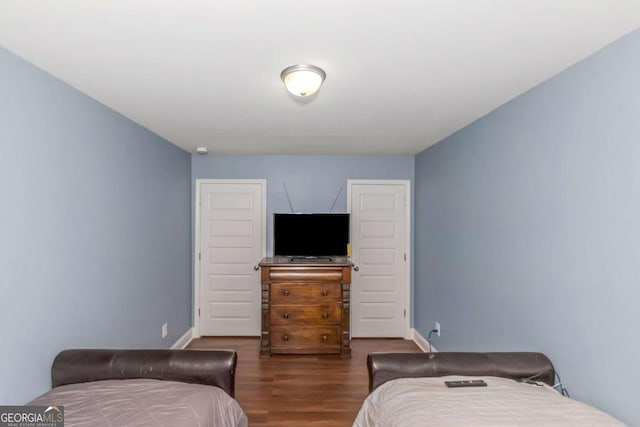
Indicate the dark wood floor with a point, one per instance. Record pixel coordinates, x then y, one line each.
291 390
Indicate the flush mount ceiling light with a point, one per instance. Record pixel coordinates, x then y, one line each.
303 79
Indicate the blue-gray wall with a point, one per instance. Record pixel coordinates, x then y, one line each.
95 218
313 182
528 229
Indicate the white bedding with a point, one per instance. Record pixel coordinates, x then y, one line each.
144 402
503 402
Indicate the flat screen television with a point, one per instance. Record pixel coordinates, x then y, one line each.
310 235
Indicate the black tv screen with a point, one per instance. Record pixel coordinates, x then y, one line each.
310 235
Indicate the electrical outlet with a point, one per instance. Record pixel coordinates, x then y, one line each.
165 330
437 328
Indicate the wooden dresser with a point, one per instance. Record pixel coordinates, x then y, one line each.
305 306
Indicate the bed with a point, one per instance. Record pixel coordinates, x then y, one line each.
145 388
408 389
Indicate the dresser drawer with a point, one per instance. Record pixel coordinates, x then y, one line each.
306 314
306 274
305 338
305 293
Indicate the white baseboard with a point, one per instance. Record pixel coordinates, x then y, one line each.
422 342
183 341
417 338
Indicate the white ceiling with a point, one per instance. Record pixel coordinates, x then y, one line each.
401 74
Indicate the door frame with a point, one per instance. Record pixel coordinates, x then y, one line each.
407 192
196 250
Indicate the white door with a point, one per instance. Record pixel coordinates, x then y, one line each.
231 241
380 251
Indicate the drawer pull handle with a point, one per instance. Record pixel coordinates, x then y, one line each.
285 315
325 316
285 293
325 293
325 338
285 337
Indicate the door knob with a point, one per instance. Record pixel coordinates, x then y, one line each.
356 268
256 268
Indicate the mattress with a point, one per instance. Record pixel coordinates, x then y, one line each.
144 402
503 402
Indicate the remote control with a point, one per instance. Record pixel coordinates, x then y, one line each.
466 383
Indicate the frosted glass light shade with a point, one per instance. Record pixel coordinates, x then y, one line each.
303 80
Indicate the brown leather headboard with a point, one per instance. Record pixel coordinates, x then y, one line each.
215 367
384 367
